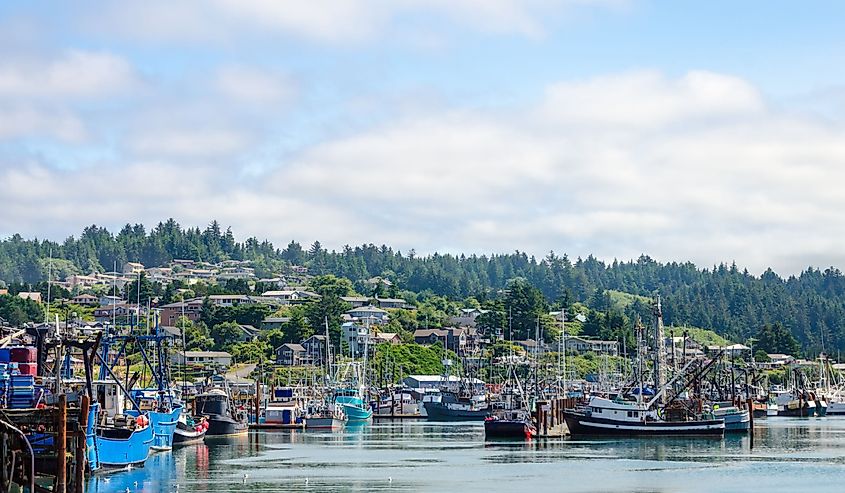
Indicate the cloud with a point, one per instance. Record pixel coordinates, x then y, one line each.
252 86
77 74
39 96
327 21
695 167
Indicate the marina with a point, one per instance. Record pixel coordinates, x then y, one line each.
436 457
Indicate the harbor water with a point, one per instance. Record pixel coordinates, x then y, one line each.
790 455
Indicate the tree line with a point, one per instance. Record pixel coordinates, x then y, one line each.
810 305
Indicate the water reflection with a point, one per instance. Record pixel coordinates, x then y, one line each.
788 454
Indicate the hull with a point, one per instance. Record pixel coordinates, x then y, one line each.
581 424
354 408
737 423
835 408
821 408
224 425
796 410
184 435
117 452
327 423
438 411
355 413
164 426
501 428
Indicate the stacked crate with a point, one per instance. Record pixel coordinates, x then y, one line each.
26 357
21 392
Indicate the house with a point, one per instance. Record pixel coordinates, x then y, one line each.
220 359
732 351
467 317
431 336
315 347
356 336
369 314
437 381
778 360
85 300
386 337
229 299
391 303
270 323
291 354
27 295
106 300
160 274
250 333
528 345
77 281
356 301
191 309
290 296
133 268
575 344
123 312
458 339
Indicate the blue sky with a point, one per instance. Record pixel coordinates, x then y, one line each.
709 131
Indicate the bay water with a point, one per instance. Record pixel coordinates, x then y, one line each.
789 455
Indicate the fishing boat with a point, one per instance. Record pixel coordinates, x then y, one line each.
736 420
215 407
350 400
616 417
453 406
189 431
509 423
325 418
163 416
123 441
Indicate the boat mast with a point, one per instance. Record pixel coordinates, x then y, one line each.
660 350
49 284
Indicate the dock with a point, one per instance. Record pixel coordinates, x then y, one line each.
398 417
548 417
277 426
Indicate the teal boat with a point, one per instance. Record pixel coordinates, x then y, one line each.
353 405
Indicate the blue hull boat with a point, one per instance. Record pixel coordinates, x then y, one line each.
116 448
163 425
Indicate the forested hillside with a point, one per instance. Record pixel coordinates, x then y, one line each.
724 297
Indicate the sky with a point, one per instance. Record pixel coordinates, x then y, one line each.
703 131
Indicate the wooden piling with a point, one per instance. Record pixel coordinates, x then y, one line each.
81 445
257 400
748 403
61 447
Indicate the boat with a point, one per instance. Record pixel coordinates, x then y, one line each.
325 418
453 406
509 423
163 417
736 420
123 441
215 407
188 431
352 404
617 417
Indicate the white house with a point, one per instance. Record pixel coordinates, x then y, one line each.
203 358
369 314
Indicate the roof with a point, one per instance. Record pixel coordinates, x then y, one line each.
439 378
428 332
385 335
368 309
86 296
208 354
391 300
293 346
350 299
